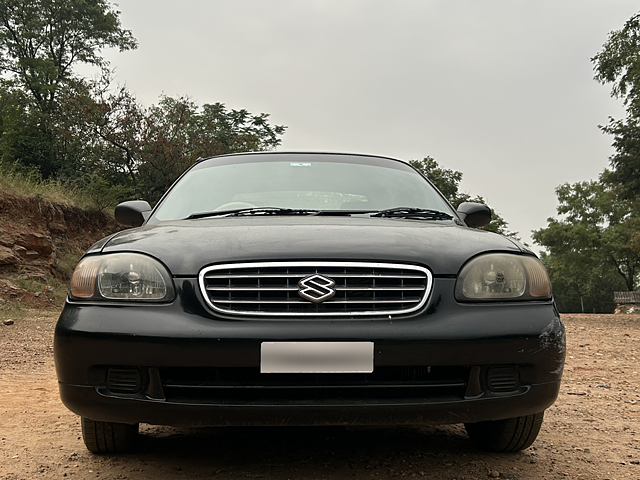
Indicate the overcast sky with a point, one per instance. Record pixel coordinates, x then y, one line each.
500 90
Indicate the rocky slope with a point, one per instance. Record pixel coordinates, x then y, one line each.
41 240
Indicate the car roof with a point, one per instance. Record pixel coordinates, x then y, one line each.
302 152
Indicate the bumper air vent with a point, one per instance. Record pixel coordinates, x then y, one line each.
504 378
123 380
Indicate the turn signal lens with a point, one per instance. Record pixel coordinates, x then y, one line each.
83 281
539 284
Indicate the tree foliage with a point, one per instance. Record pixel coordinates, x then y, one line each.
147 148
444 179
42 40
448 181
22 140
89 133
626 159
618 64
40 43
593 249
582 284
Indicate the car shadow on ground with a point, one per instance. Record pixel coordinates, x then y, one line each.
316 452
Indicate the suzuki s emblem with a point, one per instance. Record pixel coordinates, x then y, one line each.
316 288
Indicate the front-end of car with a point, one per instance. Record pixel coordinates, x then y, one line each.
309 320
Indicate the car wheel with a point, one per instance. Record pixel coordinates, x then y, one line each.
108 437
508 435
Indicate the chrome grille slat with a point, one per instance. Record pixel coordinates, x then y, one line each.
271 289
295 289
302 302
296 275
249 289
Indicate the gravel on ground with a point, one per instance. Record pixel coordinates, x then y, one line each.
591 433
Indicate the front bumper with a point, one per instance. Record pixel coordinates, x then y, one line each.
445 365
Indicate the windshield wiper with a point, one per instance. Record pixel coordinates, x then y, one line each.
397 212
413 213
238 212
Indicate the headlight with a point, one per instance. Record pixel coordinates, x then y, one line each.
121 276
498 276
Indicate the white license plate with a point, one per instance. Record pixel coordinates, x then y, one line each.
316 357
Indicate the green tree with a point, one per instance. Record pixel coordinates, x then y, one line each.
87 133
40 43
103 131
593 249
447 181
21 139
179 131
42 40
444 179
582 283
144 149
626 159
618 64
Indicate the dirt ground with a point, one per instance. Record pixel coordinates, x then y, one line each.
592 432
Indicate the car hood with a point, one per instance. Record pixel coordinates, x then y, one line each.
186 246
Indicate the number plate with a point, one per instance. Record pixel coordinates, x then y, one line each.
316 357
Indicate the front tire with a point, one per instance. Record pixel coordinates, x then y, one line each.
108 437
510 435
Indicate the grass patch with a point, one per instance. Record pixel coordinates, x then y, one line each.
67 258
22 181
15 311
29 293
52 288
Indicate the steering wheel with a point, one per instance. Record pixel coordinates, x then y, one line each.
234 206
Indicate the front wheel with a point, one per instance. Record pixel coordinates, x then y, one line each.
108 437
510 435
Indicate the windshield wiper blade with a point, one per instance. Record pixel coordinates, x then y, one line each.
412 212
397 212
238 212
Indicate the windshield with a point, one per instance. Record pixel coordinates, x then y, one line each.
318 182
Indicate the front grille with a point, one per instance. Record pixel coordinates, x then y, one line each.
271 289
246 385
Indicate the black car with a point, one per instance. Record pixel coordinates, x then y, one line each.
308 289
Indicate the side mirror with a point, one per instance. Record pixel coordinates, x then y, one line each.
133 213
475 215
